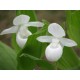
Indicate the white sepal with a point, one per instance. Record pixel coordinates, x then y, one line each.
53 54
56 30
12 29
45 39
35 24
21 20
68 42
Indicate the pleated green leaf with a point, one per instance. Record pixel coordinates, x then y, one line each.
8 58
44 65
39 63
69 60
73 25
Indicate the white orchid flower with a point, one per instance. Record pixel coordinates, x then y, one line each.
21 24
57 41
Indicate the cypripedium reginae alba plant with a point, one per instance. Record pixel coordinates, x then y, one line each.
21 24
57 41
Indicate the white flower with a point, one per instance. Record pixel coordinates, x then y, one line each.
21 24
54 51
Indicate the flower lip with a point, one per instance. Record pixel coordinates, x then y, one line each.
53 54
21 41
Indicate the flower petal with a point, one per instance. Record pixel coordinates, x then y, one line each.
68 42
36 24
45 38
56 30
24 32
21 19
12 29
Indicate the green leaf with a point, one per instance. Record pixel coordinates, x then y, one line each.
8 57
42 64
30 13
26 63
73 25
69 60
14 43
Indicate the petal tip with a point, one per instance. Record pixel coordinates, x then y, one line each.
75 44
2 33
68 42
40 24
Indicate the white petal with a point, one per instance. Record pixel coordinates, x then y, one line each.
36 24
21 41
12 29
56 30
45 38
68 42
53 54
21 19
24 32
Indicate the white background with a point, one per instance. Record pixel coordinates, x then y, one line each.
40 75
40 5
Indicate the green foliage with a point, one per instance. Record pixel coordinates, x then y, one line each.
69 60
73 25
37 62
7 58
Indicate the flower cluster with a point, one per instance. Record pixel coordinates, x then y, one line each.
57 41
